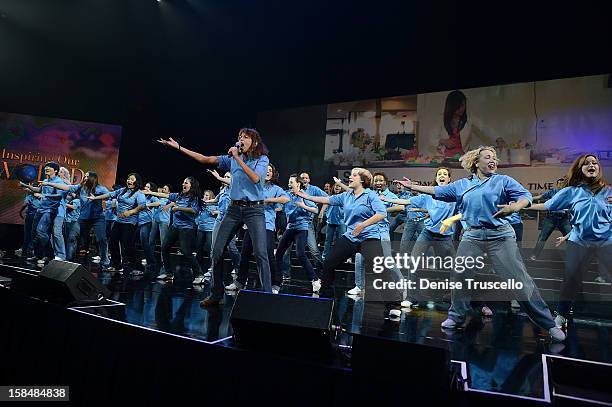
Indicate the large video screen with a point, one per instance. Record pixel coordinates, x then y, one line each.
28 142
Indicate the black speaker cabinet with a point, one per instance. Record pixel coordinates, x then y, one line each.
62 282
284 323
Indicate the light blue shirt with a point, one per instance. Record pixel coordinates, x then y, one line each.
163 216
298 218
32 204
90 209
146 215
438 211
51 197
180 219
128 200
335 215
477 200
72 215
412 215
205 219
271 191
590 215
110 213
549 194
358 209
223 202
242 188
384 224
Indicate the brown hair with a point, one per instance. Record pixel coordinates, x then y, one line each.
258 148
450 173
469 159
210 192
575 176
365 175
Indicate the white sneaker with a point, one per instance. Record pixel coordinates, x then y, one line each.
395 313
275 289
208 274
18 252
354 291
137 272
199 280
349 261
42 261
406 304
235 286
58 258
233 272
533 258
98 258
144 262
316 285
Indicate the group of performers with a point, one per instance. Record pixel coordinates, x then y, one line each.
485 206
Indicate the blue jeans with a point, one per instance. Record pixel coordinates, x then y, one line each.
234 253
442 246
550 223
99 228
27 246
385 242
299 237
43 231
412 230
59 246
500 246
312 246
396 222
72 235
187 241
333 233
235 217
144 231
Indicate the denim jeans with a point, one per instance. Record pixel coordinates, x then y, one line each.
332 235
144 232
550 223
187 239
121 245
27 247
235 217
59 248
442 246
396 222
44 226
99 228
312 246
247 253
71 234
385 242
500 246
576 256
154 233
299 237
412 230
232 249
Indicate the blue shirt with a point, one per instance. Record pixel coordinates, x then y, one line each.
31 203
335 215
180 219
591 215
223 202
313 190
242 188
477 200
72 215
163 216
146 215
52 197
90 209
549 194
412 215
358 209
128 200
205 219
298 218
110 213
384 224
271 191
438 211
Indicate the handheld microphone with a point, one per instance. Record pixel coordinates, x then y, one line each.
239 146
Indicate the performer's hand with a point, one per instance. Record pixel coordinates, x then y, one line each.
233 151
505 210
167 207
337 181
561 239
45 183
125 214
91 197
404 181
446 224
170 143
358 229
214 173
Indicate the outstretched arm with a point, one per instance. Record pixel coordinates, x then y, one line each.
202 159
215 174
316 199
29 187
312 209
372 220
424 189
157 194
394 201
338 182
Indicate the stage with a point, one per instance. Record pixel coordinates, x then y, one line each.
503 356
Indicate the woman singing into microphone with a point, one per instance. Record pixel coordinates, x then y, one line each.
247 162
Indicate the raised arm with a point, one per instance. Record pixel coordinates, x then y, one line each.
316 199
29 187
203 159
98 197
339 182
62 186
184 209
537 207
157 194
396 208
424 189
280 200
397 201
215 174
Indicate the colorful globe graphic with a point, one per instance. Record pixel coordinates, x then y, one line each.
26 173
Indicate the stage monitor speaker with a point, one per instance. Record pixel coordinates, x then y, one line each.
283 323
378 362
580 380
62 282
